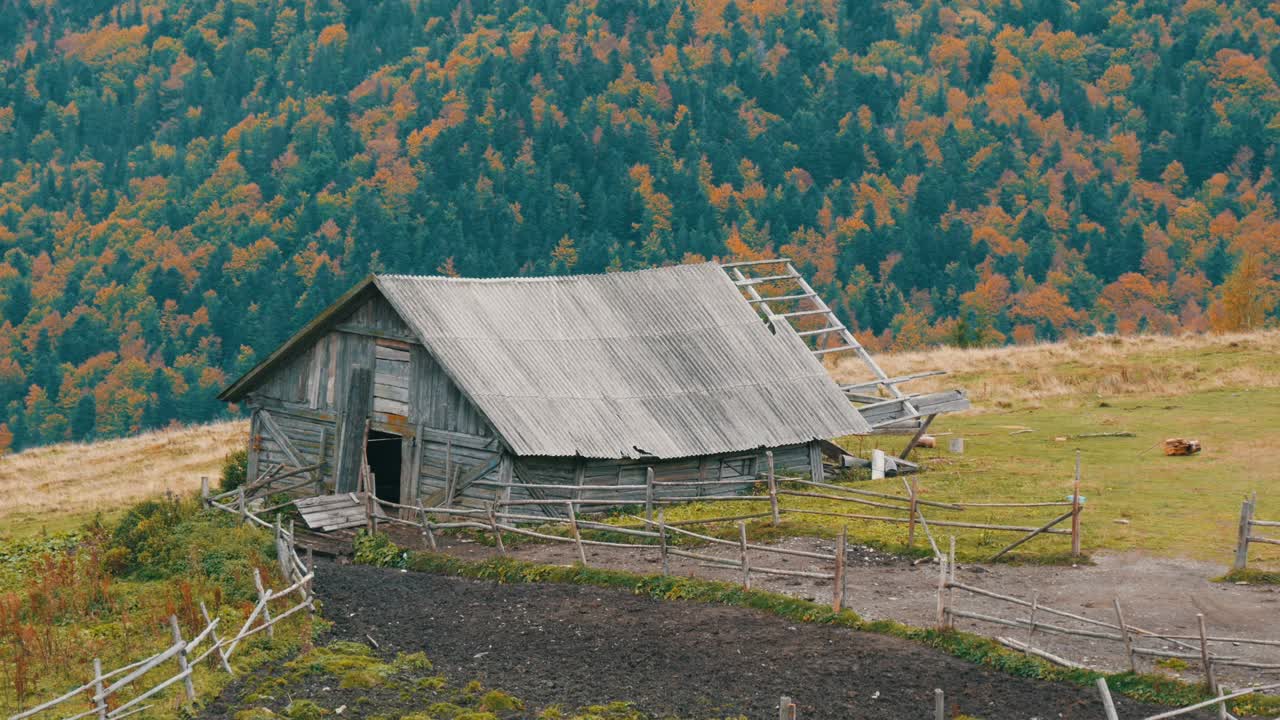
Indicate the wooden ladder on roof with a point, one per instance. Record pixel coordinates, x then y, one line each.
792 300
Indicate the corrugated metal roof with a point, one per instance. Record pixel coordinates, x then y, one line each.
669 362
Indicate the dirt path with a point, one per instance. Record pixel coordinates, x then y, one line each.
577 645
1160 595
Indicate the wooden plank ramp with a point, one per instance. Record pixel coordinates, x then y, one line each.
327 513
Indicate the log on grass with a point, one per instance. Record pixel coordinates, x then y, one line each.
1181 446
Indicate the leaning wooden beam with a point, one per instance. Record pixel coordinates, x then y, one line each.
870 384
749 263
1028 649
1214 701
1032 534
217 643
1019 623
751 546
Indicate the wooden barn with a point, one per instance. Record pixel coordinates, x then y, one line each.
460 391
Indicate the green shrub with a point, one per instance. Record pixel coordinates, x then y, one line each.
378 550
235 470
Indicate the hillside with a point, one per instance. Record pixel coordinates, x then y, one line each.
183 183
57 487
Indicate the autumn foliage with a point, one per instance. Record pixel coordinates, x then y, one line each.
182 184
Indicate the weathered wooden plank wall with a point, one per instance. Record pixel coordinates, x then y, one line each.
448 441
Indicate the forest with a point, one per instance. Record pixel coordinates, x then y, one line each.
182 184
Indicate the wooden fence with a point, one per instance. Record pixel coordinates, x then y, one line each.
188 654
1246 531
1109 705
1040 619
906 509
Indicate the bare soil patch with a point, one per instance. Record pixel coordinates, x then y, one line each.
1158 594
577 645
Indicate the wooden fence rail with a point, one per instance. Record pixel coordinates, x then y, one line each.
183 652
1110 707
1197 647
1246 535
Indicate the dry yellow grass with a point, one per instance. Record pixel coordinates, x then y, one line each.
60 485
1085 369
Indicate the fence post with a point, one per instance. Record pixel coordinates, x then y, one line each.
786 709
266 609
101 705
951 577
1075 511
837 579
183 665
914 487
1108 704
204 491
1031 622
1210 679
311 570
282 552
426 526
742 554
662 542
493 525
648 494
939 704
1124 635
773 488
577 534
1242 540
240 503
942 597
217 643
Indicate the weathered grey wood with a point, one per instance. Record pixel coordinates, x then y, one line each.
352 429
1124 635
577 534
1206 662
268 424
183 666
251 461
1242 539
1108 704
915 439
1075 510
1042 529
374 332
101 704
815 462
217 643
662 541
838 580
773 490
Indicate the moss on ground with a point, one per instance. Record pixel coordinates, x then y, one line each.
402 688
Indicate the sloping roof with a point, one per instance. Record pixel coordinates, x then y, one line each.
670 362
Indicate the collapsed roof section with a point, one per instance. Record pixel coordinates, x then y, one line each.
787 302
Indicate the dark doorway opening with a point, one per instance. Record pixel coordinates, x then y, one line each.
384 462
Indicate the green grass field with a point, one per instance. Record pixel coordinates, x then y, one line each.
1032 404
